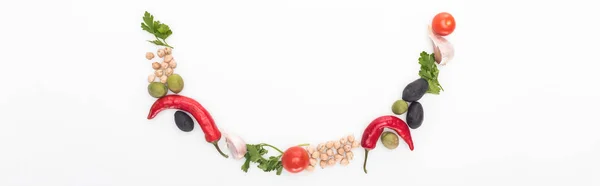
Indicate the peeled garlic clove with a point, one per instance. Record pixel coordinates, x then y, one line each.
236 146
443 49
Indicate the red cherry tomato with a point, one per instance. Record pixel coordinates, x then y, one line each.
443 24
295 159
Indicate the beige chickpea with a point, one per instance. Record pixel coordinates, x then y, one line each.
350 138
169 71
315 154
151 78
163 79
320 147
155 65
329 144
323 163
160 53
164 65
350 155
331 162
168 50
310 168
347 148
355 144
330 152
158 73
344 162
168 58
324 157
340 150
149 55
313 161
343 141
337 144
173 64
338 157
310 149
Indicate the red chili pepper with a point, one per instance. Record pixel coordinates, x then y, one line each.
206 122
373 132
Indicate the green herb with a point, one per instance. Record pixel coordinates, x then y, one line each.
429 72
255 153
160 30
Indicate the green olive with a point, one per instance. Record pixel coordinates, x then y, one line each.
157 89
175 83
399 107
389 140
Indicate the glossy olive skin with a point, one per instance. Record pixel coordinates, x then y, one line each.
415 90
414 116
183 121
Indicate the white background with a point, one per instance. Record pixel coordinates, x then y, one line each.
520 104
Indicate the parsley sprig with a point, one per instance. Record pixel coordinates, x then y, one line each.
160 30
429 72
255 154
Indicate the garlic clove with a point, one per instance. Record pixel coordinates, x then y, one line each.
236 146
443 49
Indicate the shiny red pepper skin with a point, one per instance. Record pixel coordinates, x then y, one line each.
372 133
202 116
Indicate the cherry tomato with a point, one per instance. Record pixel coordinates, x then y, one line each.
443 24
295 159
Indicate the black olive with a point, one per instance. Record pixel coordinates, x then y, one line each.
183 121
414 116
415 90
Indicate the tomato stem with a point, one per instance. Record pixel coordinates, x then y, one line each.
304 144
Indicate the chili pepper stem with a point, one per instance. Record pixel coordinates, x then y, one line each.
304 144
219 149
365 164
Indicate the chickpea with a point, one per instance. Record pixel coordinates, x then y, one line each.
338 157
347 148
351 138
151 78
164 65
310 149
158 73
344 162
340 151
330 152
313 161
149 55
323 163
350 155
155 65
320 146
330 162
315 154
337 145
160 53
168 58
355 144
168 50
343 141
169 71
173 64
324 157
163 79
329 144
310 168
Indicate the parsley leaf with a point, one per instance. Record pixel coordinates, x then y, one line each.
160 30
255 153
429 72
